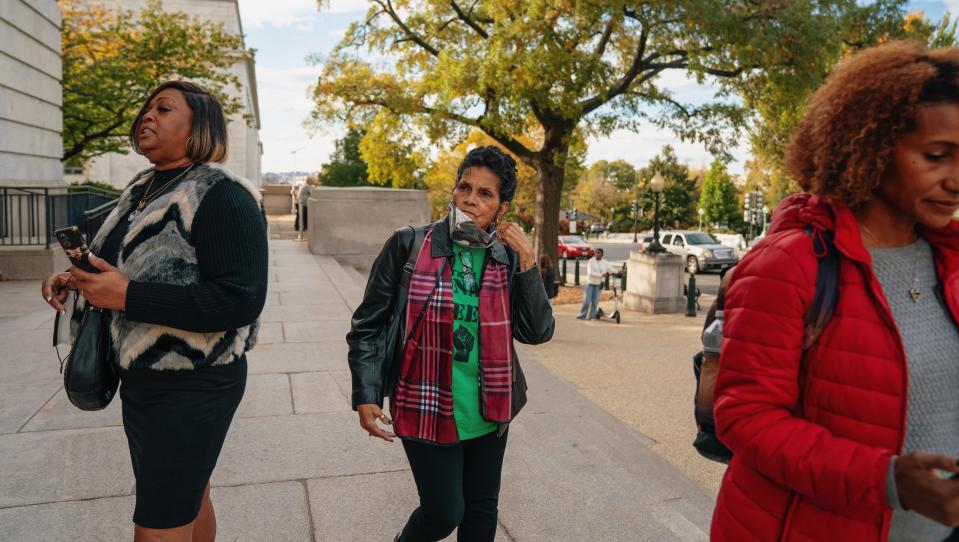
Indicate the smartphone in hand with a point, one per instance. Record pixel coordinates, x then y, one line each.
71 239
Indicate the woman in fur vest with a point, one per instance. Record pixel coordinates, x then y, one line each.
183 271
435 333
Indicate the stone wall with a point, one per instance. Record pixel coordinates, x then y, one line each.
30 94
351 224
277 199
245 150
654 283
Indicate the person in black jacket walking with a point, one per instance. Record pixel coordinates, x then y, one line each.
447 361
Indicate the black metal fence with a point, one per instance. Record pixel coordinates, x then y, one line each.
29 216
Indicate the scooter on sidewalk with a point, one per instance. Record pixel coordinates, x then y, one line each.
615 315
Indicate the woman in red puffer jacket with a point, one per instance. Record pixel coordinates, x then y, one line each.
842 441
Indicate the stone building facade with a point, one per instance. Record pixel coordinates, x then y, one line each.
31 96
245 148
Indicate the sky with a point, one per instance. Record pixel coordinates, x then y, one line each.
285 32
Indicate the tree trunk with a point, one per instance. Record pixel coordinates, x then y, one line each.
548 195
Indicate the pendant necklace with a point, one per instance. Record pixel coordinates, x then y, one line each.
915 292
146 198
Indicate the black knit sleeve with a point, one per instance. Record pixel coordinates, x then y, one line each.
230 238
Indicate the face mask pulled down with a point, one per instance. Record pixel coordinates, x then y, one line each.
465 232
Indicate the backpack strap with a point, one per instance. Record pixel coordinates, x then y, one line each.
417 243
827 285
826 295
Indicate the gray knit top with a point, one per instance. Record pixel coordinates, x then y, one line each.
931 341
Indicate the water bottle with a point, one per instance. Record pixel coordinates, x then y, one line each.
713 337
712 344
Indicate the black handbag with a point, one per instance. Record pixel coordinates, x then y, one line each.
89 375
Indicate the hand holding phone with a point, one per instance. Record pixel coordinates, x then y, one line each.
71 239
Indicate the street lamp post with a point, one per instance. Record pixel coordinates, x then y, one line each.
701 213
657 184
635 220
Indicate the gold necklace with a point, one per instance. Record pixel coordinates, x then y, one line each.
915 292
146 198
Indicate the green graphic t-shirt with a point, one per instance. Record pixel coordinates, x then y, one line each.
467 272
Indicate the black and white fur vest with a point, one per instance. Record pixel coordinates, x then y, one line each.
157 248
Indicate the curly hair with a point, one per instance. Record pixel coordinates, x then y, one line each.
843 145
500 163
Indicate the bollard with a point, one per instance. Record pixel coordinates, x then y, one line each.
691 296
563 281
622 283
576 279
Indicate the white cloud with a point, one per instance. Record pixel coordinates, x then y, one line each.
952 6
293 12
284 104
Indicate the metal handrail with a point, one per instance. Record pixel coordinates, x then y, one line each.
29 215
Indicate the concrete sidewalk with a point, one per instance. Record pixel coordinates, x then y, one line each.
296 465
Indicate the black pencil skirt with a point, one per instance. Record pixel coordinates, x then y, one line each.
176 422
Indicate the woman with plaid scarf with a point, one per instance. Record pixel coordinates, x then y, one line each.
442 348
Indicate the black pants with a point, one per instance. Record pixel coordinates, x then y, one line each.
458 487
301 217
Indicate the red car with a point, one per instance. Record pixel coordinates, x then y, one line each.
573 246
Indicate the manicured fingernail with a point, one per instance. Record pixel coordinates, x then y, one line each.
49 298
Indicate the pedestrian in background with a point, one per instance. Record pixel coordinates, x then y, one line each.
457 383
844 437
548 273
302 204
596 271
182 264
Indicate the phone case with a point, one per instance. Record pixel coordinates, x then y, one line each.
71 239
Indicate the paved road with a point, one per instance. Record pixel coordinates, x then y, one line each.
639 371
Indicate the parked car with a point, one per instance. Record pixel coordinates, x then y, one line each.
735 241
700 250
573 246
597 227
644 240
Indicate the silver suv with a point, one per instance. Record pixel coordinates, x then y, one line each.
700 250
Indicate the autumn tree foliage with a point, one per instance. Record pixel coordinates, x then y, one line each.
420 73
113 58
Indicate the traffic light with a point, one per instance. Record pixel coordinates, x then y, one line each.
749 202
635 206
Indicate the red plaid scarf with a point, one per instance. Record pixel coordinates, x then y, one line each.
422 404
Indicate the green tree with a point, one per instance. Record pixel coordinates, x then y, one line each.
778 98
346 167
678 200
113 58
565 70
596 191
718 197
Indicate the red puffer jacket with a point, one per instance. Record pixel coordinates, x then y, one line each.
811 466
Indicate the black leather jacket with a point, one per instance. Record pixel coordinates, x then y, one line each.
373 374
